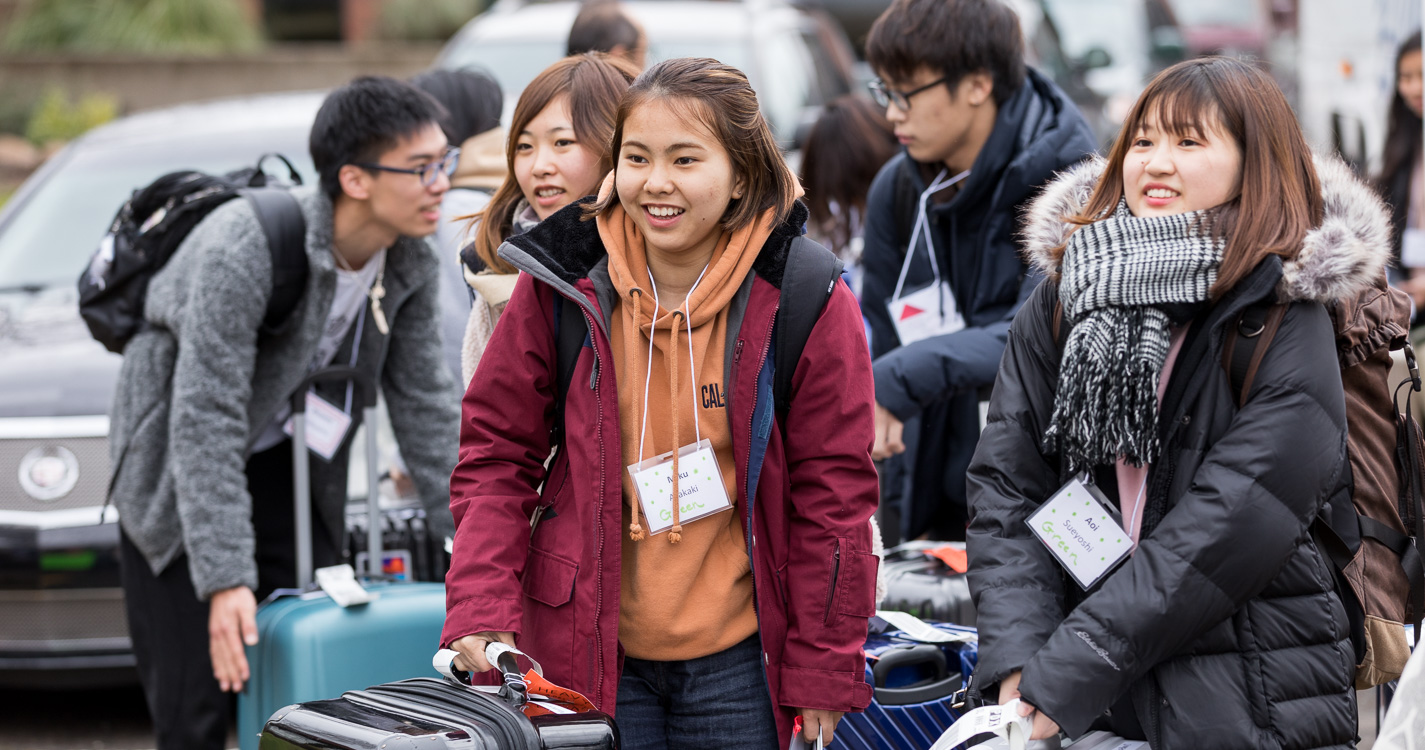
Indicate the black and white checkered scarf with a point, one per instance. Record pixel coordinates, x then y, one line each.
1115 273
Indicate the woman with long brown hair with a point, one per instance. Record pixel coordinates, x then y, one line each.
1205 615
1402 176
847 146
644 603
557 152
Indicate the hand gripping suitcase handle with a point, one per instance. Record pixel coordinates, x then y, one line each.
364 388
514 690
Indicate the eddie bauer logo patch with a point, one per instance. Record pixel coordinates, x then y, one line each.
1101 653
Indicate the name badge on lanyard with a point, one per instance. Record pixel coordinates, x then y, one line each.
701 492
1077 527
929 310
700 489
326 426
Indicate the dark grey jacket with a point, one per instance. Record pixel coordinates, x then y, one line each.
933 384
198 387
1224 627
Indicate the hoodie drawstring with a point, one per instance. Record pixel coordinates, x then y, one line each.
635 529
675 534
681 316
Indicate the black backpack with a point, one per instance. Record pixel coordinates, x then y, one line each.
152 224
810 276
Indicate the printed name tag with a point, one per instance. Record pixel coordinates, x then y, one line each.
700 488
922 314
1412 248
1076 526
326 426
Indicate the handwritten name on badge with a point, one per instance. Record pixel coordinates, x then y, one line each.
1077 528
700 489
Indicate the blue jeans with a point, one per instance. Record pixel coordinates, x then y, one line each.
714 701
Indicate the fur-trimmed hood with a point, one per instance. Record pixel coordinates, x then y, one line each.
1345 254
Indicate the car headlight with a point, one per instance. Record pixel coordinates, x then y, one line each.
49 472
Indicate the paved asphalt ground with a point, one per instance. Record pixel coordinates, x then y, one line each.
115 719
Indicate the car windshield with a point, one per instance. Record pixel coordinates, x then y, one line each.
1231 13
514 63
47 238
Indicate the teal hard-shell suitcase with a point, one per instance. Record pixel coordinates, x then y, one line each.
311 648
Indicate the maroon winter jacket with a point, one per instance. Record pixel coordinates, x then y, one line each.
557 586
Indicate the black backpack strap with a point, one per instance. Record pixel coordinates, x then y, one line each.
807 283
1059 327
285 228
1246 345
570 333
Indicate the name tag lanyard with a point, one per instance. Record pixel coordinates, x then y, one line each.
922 226
692 365
662 497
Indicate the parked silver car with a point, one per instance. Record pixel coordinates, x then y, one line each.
61 609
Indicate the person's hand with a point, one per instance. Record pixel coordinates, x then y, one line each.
232 623
1044 727
472 649
816 720
888 435
1009 687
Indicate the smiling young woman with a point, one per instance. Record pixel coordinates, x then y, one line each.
557 152
1222 623
676 269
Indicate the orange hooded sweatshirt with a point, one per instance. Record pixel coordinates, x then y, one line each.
691 598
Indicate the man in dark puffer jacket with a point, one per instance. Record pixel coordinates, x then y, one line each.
963 103
1205 635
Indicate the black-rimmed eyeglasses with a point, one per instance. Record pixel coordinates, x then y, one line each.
429 173
885 95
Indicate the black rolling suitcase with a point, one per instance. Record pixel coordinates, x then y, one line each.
427 713
919 581
410 551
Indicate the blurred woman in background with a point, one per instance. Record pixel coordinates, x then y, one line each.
1402 177
847 146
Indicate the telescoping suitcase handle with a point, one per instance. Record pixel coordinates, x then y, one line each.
364 388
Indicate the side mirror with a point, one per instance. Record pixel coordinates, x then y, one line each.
1096 57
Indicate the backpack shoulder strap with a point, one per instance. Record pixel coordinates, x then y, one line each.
1247 343
807 283
285 228
570 332
1061 331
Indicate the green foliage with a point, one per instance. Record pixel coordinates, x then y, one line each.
56 118
426 20
15 107
143 26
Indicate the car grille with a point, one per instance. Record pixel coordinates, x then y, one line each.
63 620
93 458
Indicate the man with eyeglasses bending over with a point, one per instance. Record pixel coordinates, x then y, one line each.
943 276
203 466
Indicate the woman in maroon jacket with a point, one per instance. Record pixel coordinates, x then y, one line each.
716 620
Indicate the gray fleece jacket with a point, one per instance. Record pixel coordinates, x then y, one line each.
197 388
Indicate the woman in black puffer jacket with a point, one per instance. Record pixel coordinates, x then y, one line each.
1223 629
